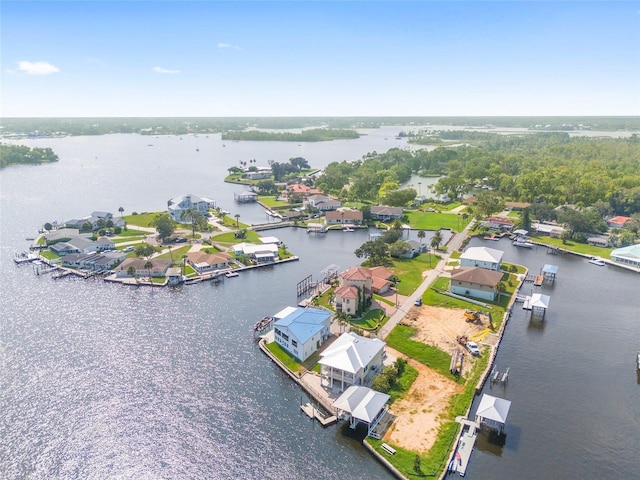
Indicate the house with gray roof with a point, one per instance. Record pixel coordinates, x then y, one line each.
385 213
482 257
178 206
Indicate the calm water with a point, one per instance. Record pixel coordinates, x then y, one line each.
104 381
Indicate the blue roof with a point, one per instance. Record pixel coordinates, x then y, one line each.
304 323
553 269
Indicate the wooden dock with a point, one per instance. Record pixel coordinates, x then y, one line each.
313 413
538 281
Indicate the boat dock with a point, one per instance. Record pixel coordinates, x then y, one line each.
465 446
315 414
538 281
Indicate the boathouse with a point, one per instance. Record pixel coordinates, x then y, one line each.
627 255
247 196
492 412
549 272
539 304
362 405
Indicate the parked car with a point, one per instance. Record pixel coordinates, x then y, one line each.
473 348
178 240
130 248
418 302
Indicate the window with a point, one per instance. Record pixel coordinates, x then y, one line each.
285 337
294 343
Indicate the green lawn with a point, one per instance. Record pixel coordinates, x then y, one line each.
409 271
285 357
49 255
176 253
575 247
270 201
403 383
432 357
131 232
229 237
435 221
141 220
370 319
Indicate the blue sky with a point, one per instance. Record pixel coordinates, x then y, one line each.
332 58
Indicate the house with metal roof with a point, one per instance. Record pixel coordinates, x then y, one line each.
627 255
475 282
351 360
385 213
178 206
482 257
301 331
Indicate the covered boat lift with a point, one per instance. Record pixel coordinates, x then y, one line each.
492 412
362 404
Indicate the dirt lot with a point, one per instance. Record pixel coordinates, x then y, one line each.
418 414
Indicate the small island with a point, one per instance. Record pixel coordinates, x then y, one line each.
22 155
311 135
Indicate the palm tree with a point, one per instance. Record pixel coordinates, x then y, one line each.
343 319
237 216
436 240
421 235
148 264
121 210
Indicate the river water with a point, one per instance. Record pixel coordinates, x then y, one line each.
104 381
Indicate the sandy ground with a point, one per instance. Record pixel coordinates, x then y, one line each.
419 413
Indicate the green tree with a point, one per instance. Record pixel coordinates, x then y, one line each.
144 250
148 264
421 235
121 210
131 271
376 251
165 226
436 240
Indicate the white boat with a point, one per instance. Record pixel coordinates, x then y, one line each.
597 261
638 361
347 228
230 274
522 244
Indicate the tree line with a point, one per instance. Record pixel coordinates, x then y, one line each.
20 154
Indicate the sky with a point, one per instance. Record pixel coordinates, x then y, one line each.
328 58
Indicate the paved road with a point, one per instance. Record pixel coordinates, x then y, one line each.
453 245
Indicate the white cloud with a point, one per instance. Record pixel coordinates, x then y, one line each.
164 70
228 45
37 68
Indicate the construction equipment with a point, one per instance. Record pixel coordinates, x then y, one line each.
472 316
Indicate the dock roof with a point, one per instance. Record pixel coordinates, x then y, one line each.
493 408
362 403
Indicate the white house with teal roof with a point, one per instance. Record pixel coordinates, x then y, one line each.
627 255
301 331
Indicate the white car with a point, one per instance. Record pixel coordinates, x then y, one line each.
473 348
128 249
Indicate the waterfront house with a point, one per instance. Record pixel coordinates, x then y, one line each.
599 241
381 280
178 206
351 360
345 299
482 257
82 244
498 223
552 230
385 213
475 282
93 261
301 331
344 217
203 262
97 220
158 268
265 253
627 255
298 191
323 203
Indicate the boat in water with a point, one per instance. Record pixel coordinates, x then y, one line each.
522 244
230 274
348 228
597 261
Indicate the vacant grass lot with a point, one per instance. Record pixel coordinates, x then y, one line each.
435 221
575 247
409 271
